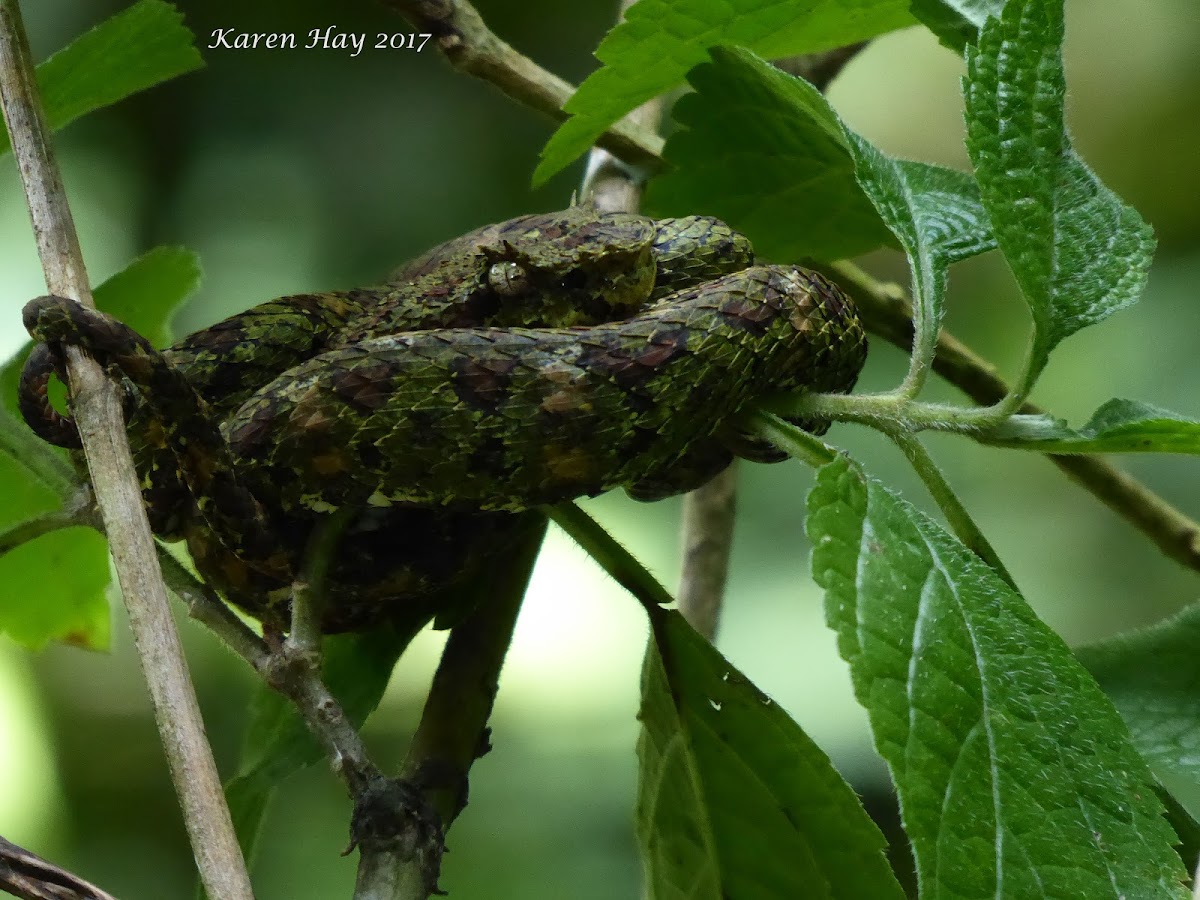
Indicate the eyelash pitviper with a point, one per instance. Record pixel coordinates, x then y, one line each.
529 362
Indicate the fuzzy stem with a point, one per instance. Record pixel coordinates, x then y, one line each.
885 309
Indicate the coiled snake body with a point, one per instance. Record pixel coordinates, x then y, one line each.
529 362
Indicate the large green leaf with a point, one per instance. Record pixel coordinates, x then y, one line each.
1119 426
767 153
936 215
735 801
1153 677
53 590
1016 775
660 40
134 50
150 290
1078 253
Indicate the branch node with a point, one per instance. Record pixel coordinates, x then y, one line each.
391 816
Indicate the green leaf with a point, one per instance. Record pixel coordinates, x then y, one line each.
149 291
1078 253
1184 826
937 216
660 40
1119 426
134 50
735 801
765 152
1153 678
956 22
53 590
1015 774
278 744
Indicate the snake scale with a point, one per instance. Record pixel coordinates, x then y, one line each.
529 362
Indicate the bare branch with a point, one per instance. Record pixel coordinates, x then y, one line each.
292 669
886 310
708 517
101 424
28 876
471 47
453 732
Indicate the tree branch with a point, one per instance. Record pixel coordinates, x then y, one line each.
101 423
819 69
291 669
887 313
471 47
453 732
28 876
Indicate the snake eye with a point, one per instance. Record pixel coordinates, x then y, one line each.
508 279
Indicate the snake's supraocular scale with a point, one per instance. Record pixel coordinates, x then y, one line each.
532 361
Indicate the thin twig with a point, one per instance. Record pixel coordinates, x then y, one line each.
97 411
471 47
208 609
77 510
887 313
707 533
28 876
291 670
309 592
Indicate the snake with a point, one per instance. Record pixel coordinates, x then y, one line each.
530 362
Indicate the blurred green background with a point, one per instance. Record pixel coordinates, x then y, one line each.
308 169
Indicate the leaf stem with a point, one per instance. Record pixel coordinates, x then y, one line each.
796 442
618 562
956 514
885 309
891 412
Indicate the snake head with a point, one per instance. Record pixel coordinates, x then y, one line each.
569 267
